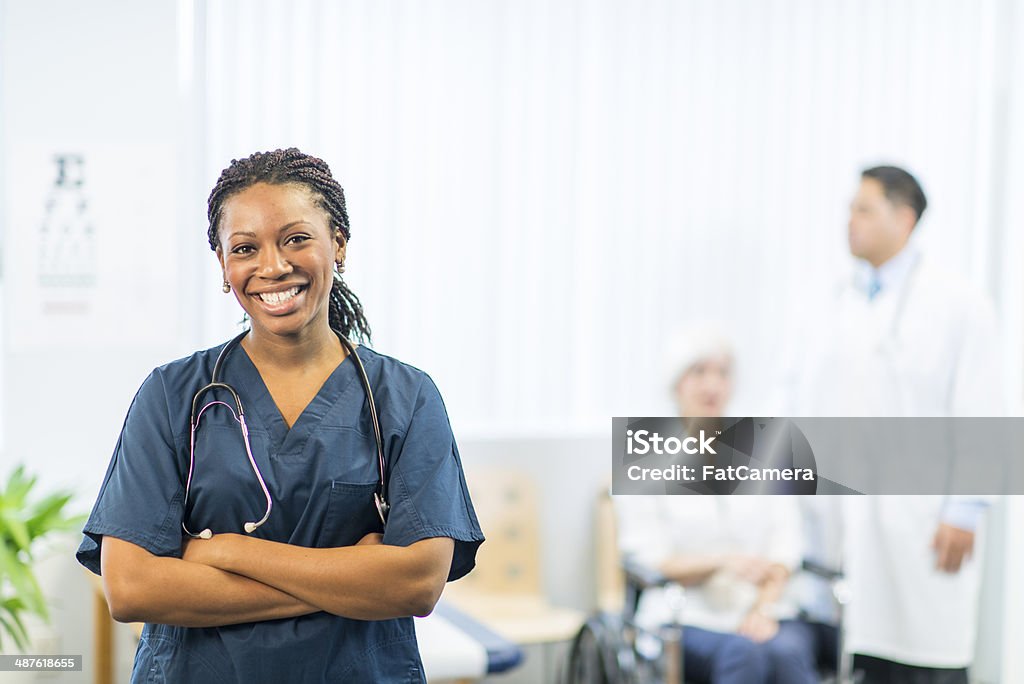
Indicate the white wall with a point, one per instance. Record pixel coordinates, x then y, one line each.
100 79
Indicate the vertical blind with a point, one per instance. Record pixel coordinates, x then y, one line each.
541 192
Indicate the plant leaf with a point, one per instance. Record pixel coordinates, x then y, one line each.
18 487
16 628
21 525
17 530
45 512
24 582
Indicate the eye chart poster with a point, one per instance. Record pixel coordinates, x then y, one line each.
90 246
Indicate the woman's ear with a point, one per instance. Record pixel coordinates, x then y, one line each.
339 255
223 266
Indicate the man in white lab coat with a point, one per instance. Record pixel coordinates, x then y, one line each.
904 337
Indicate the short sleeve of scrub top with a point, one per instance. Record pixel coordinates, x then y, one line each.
140 500
428 494
321 473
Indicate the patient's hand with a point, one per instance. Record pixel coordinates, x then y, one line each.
953 546
758 626
753 569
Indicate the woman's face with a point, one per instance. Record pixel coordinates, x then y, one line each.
705 388
277 251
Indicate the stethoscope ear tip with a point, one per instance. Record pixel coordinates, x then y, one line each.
249 527
206 534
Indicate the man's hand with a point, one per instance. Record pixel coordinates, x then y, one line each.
952 546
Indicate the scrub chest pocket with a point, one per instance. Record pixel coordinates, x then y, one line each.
350 516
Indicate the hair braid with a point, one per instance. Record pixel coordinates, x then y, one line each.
282 167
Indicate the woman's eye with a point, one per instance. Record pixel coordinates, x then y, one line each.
297 239
242 249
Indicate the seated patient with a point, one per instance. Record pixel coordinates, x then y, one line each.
733 553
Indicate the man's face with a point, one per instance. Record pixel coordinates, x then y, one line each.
878 228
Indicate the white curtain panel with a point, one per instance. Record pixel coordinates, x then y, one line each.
540 192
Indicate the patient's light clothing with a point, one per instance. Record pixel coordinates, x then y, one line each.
653 528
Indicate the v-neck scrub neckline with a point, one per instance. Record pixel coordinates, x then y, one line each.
287 439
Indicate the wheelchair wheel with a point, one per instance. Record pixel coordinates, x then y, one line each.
599 653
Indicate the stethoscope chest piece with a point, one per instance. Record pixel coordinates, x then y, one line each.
382 507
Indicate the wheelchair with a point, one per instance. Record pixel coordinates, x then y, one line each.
612 648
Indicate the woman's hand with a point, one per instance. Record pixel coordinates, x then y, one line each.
373 538
369 580
142 587
193 550
212 551
208 551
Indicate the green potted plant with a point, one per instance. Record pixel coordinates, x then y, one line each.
23 525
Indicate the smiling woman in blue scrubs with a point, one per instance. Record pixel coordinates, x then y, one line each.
322 591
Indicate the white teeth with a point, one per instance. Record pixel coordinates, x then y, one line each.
278 297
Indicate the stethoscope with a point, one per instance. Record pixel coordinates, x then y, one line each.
379 496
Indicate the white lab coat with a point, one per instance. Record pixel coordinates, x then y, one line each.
930 350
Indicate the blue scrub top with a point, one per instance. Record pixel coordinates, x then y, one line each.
322 474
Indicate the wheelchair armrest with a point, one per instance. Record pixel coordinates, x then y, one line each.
819 570
639 577
642 576
835 578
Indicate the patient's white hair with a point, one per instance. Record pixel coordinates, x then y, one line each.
692 344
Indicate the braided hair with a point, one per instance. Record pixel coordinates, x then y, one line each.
290 166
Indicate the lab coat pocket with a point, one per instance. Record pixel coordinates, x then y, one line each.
351 515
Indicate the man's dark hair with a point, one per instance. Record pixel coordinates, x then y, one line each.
900 187
290 166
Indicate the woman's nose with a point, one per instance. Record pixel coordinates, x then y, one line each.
273 264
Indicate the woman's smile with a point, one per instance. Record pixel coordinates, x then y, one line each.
281 302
